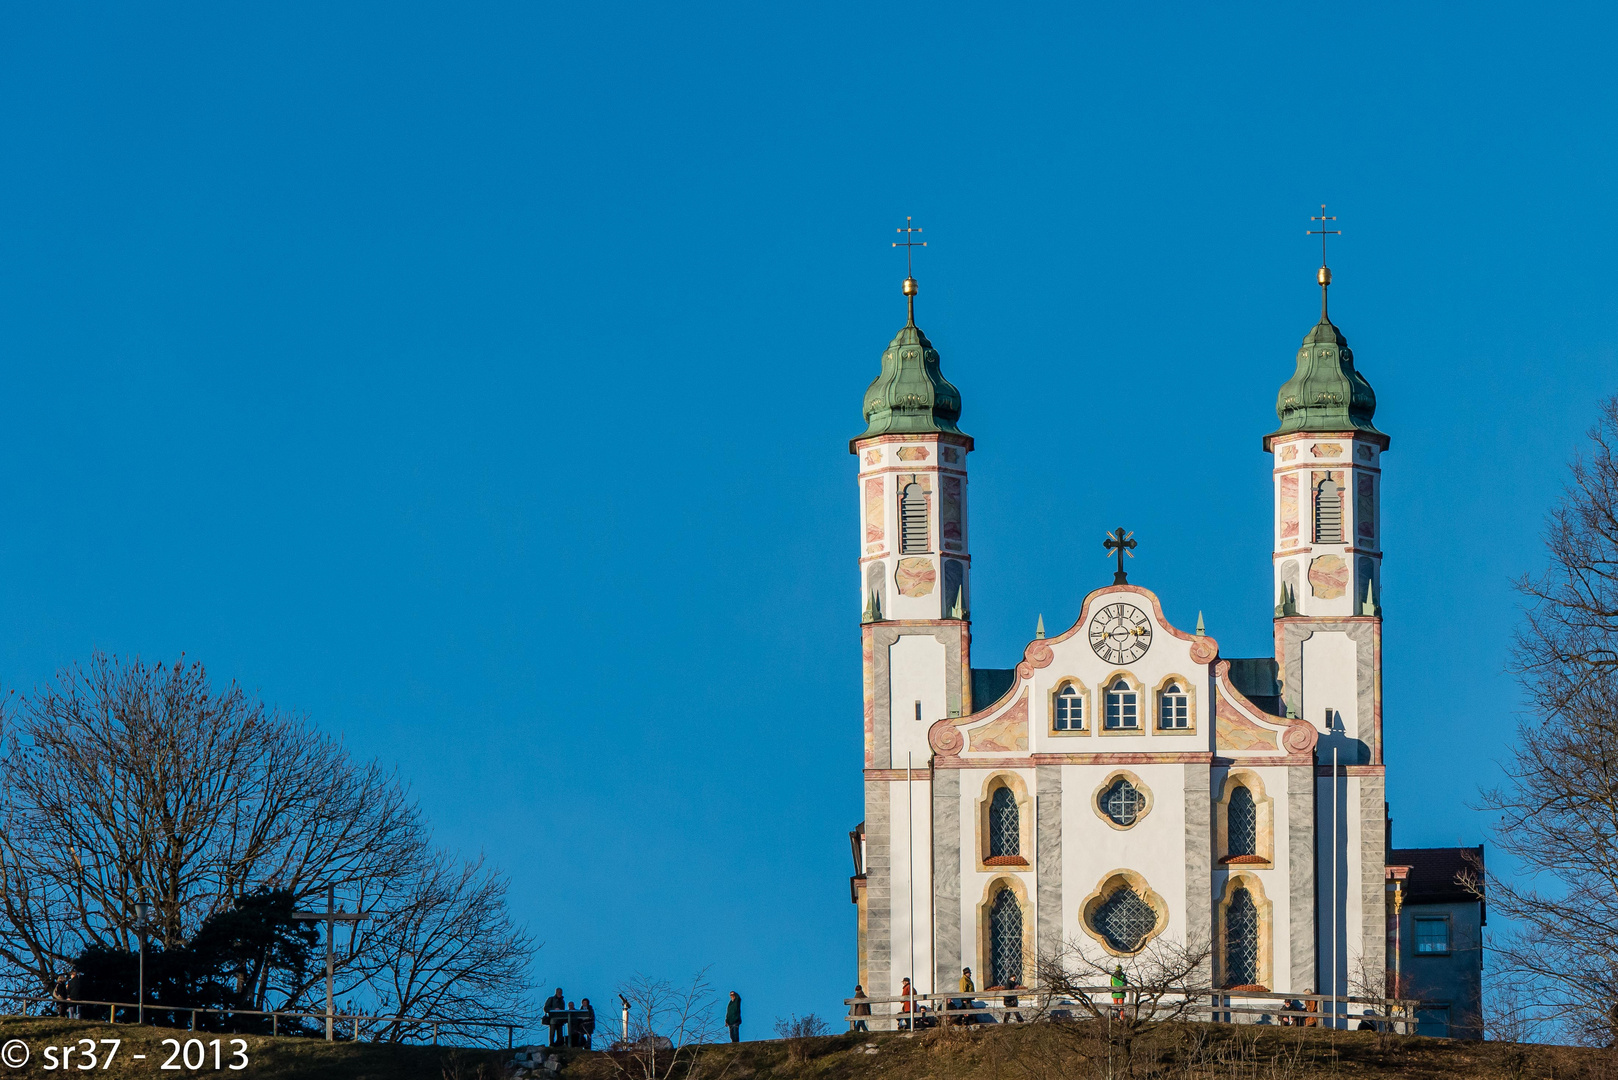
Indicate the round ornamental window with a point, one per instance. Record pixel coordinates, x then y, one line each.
1124 919
1123 802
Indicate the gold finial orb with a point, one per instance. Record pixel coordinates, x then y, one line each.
910 286
1324 276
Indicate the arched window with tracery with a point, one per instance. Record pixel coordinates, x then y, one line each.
1069 709
1005 824
1005 939
1328 512
912 519
1124 919
1241 829
1123 802
1123 706
1241 939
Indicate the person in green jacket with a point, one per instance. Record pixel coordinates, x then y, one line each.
733 1016
1119 981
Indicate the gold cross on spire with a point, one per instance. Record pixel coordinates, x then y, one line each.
1324 274
909 244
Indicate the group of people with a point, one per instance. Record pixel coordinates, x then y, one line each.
69 985
913 1013
570 1024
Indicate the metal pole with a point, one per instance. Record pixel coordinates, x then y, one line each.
1334 913
140 995
1034 904
331 901
910 863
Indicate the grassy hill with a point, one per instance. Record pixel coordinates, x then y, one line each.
1187 1052
271 1058
1014 1052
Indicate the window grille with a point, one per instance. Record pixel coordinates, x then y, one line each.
1328 513
912 519
1069 709
1123 712
1432 935
1005 939
1173 708
1124 919
1005 826
1241 939
1123 802
1241 822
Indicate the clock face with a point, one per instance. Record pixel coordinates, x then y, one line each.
1120 634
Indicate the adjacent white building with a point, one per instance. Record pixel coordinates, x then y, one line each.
1125 780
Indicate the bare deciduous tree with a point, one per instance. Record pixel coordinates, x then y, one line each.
444 947
126 781
796 1031
1164 982
1558 808
670 1029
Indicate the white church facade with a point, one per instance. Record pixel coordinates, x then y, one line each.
1125 780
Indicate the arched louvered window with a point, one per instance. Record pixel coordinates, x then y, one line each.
1242 822
1123 706
1173 708
912 519
1124 919
1005 825
1069 709
1005 939
1328 513
1241 939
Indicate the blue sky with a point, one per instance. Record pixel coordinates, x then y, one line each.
479 380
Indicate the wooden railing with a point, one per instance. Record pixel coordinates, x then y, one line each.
1221 1006
275 1015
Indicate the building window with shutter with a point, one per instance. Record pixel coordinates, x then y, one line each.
1328 512
913 520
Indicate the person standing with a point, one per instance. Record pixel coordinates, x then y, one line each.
555 1015
585 1025
75 989
59 994
906 995
1119 981
862 1009
1010 1002
733 1016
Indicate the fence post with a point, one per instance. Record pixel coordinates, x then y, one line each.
112 1014
508 1036
275 1023
435 1034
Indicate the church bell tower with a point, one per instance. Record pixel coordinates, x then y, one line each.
915 603
1327 557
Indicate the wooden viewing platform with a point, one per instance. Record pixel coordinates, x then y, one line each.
1218 1006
